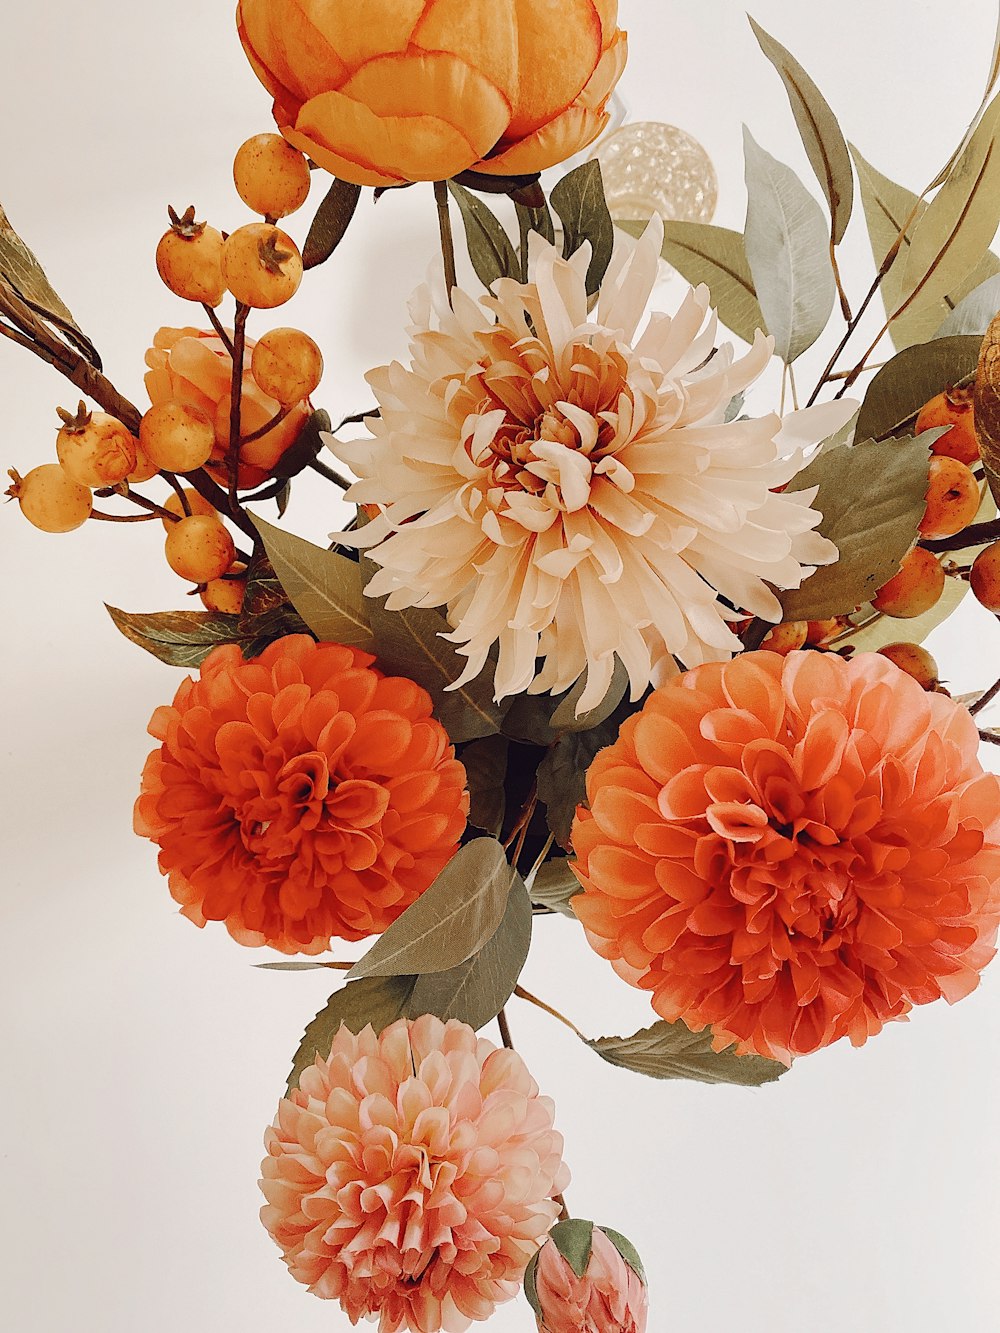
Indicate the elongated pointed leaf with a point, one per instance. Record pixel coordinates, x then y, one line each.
975 312
991 83
378 1001
490 249
566 718
179 638
554 885
562 774
819 129
486 770
673 1051
450 921
580 202
912 378
329 226
788 249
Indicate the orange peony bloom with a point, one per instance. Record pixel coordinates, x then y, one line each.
411 1176
792 850
193 365
300 795
426 89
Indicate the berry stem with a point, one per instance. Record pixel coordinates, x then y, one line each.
331 474
447 237
978 534
504 1026
236 397
217 326
123 518
152 509
985 699
989 738
258 434
179 491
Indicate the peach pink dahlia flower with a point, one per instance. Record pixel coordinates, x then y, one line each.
609 1297
411 1175
570 488
792 850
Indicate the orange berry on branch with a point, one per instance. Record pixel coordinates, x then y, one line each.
225 595
272 178
199 549
915 589
262 266
189 259
952 500
197 504
984 578
50 499
822 631
177 436
287 365
915 661
954 409
95 449
786 638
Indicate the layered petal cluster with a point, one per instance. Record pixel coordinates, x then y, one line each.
300 796
411 1176
610 1297
195 367
792 850
571 489
426 89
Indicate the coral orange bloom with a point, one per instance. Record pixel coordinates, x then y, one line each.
426 89
412 1175
194 367
610 1296
792 850
300 796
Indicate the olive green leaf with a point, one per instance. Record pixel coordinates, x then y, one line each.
450 921
580 202
538 220
378 1001
574 1239
486 768
987 405
329 226
673 1051
490 249
912 378
179 638
554 885
565 716
307 447
562 774
991 83
788 249
819 129
975 312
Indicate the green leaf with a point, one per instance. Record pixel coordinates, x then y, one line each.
673 1051
562 774
788 249
554 885
179 638
486 768
378 1001
819 129
475 991
565 717
450 921
975 312
325 587
627 1251
490 249
534 219
295 967
307 447
329 226
574 1239
531 1288
716 257
991 83
912 378
583 210
871 496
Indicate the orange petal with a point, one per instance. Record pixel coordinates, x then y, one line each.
561 139
484 36
288 51
559 47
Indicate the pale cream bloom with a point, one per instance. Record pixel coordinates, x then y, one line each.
569 488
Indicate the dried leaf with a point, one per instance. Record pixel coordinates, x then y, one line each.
788 249
179 638
451 920
580 202
871 496
975 312
912 378
554 885
673 1051
378 1001
987 405
486 768
329 226
490 249
819 129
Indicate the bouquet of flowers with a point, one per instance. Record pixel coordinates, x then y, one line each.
598 642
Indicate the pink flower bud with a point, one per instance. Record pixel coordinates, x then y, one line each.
581 1282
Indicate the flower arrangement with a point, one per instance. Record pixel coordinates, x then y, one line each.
607 637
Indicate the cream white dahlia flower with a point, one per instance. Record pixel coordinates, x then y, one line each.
569 488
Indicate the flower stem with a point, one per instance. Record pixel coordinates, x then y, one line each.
331 474
504 1026
979 534
447 237
522 994
986 699
236 403
216 323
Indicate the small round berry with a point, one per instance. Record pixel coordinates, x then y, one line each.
262 266
287 365
199 549
952 498
915 661
820 632
189 260
177 436
94 448
786 638
272 178
984 578
50 499
954 409
226 595
914 590
197 504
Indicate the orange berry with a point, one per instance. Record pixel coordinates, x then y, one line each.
287 365
189 260
262 266
199 549
50 499
915 661
952 498
786 638
144 470
953 409
822 631
196 503
177 436
94 448
914 590
272 178
226 595
984 578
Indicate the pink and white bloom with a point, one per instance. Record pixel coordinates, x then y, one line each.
568 487
609 1297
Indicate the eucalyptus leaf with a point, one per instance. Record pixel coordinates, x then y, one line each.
975 313
490 249
788 249
872 498
716 257
22 271
485 764
673 1051
562 774
325 587
819 129
912 378
450 921
329 226
178 638
475 991
566 718
554 885
991 83
375 1001
580 202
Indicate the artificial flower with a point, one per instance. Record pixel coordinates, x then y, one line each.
300 795
411 1176
426 89
571 489
609 1297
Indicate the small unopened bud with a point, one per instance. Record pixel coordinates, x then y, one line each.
587 1277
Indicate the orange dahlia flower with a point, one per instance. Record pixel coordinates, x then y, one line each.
301 795
425 89
792 850
193 366
411 1176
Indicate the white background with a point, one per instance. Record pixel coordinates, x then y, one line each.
141 1058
